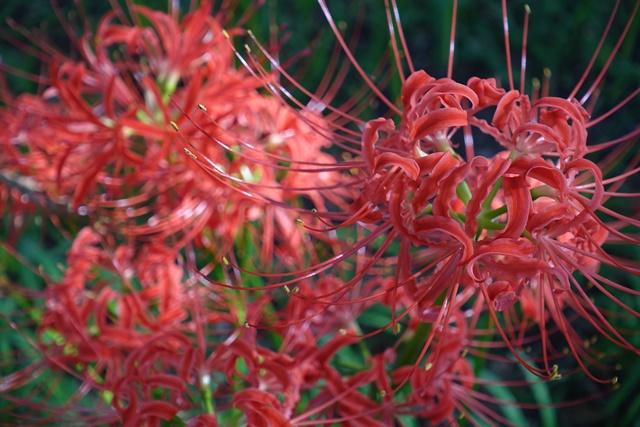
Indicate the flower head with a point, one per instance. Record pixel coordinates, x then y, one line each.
524 232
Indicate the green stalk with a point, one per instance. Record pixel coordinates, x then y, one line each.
464 192
207 396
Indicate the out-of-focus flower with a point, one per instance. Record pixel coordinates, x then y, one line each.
102 136
110 139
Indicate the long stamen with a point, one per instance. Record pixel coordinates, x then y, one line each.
596 52
613 53
407 56
452 38
505 29
523 60
347 51
394 41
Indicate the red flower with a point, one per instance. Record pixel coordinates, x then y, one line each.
525 224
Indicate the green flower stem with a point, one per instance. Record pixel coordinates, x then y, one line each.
207 397
485 219
542 191
464 192
492 194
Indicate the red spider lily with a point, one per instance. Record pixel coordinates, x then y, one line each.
523 230
102 128
101 136
129 341
262 175
124 342
88 332
132 332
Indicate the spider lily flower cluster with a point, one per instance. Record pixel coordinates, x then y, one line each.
205 291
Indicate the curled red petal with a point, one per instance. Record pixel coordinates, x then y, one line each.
369 139
546 216
447 94
505 108
596 173
437 120
549 135
502 294
425 225
261 408
497 168
487 90
518 201
158 409
515 259
166 381
416 80
408 165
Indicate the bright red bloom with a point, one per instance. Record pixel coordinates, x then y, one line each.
522 229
